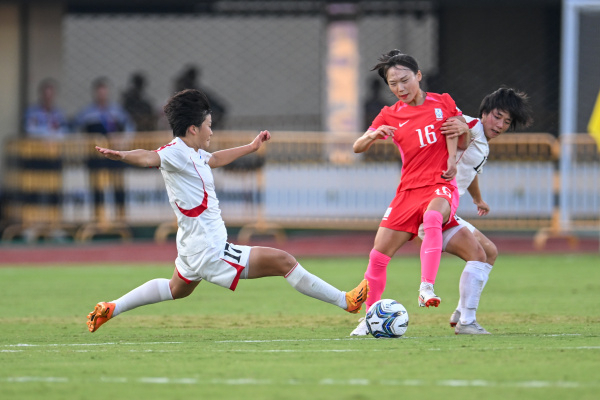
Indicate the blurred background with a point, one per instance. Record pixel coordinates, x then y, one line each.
302 70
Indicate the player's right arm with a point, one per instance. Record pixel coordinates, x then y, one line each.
364 142
139 157
450 172
457 127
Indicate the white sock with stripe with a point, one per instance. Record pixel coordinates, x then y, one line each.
151 292
473 279
313 286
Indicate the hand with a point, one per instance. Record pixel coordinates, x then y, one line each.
262 137
382 132
454 127
482 207
111 154
450 173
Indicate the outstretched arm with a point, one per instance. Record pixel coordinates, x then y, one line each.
475 192
224 157
139 158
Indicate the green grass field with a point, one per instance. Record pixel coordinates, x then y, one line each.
266 341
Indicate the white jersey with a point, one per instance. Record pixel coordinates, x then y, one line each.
470 162
191 189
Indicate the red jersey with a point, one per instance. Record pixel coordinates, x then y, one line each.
422 146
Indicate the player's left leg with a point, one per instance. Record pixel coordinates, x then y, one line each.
437 213
491 251
464 245
266 261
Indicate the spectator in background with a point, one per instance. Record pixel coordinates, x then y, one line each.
190 79
374 103
138 105
44 119
103 116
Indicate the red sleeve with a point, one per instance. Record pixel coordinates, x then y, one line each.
452 108
379 120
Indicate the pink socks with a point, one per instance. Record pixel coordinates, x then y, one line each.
431 249
376 275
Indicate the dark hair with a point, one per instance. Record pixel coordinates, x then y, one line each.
186 108
394 58
510 101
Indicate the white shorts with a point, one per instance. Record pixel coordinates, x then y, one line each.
450 232
224 268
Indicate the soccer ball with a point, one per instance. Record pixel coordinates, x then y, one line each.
387 319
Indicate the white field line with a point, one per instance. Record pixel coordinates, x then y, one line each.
87 344
322 382
176 350
290 340
453 337
53 347
246 341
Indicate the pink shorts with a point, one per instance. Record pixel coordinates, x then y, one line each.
405 213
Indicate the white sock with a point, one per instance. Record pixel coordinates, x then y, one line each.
151 292
313 286
473 279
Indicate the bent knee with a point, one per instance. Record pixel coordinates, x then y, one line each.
481 255
286 262
491 253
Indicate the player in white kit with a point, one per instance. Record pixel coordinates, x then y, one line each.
499 111
202 248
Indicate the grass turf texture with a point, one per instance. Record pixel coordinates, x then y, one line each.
266 341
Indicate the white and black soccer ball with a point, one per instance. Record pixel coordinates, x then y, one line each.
387 319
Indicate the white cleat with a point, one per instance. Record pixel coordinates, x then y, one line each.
426 296
361 329
454 318
471 329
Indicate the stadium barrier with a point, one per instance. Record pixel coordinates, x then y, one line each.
299 180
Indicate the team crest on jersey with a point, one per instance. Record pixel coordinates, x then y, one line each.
439 114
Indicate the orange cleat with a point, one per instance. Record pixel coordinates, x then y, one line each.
102 313
356 297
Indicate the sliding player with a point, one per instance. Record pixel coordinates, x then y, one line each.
202 248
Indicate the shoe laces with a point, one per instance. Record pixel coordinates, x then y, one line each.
476 325
428 289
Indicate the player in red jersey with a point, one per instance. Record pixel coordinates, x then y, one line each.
427 192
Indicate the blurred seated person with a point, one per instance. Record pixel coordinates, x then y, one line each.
138 105
44 119
102 115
